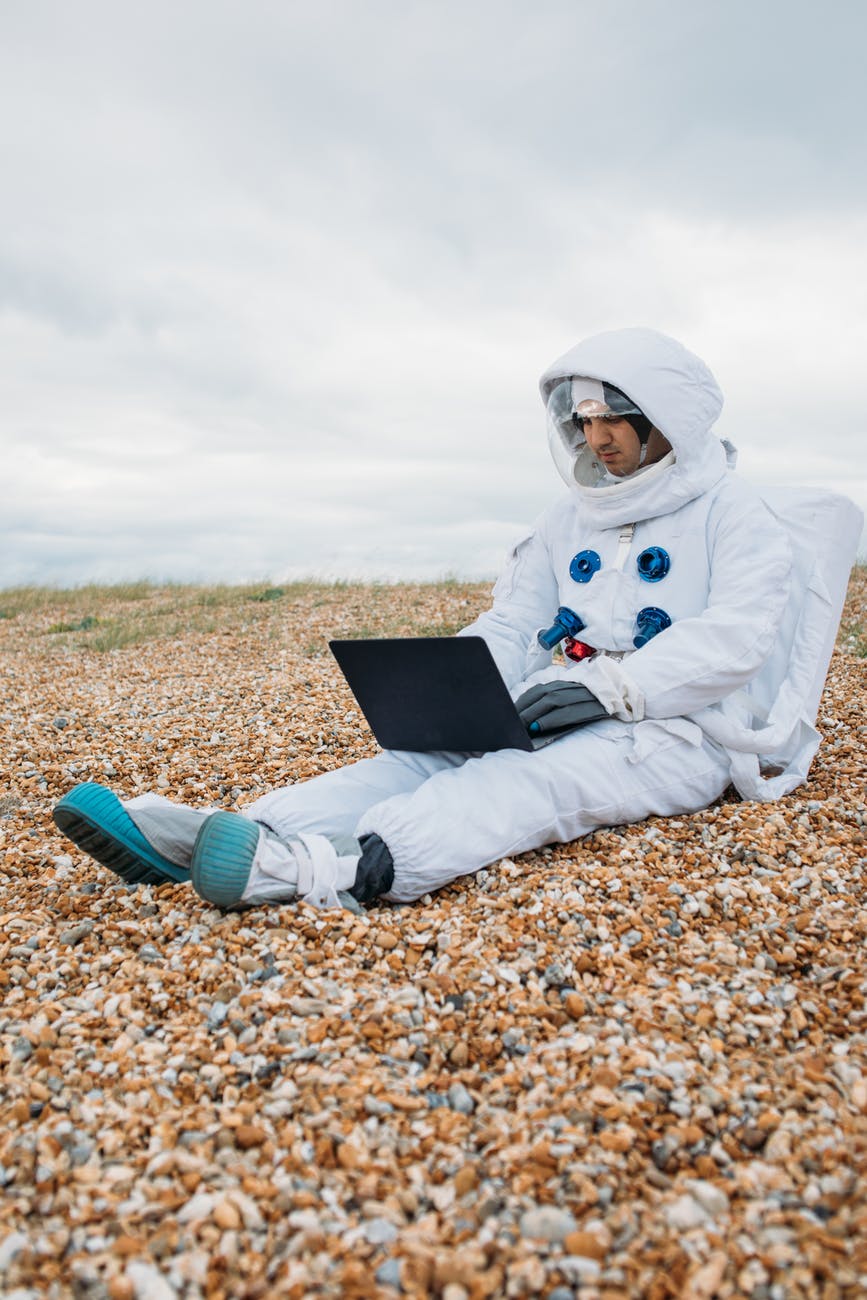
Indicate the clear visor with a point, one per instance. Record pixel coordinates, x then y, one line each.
570 403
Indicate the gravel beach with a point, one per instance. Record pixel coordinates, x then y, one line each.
631 1066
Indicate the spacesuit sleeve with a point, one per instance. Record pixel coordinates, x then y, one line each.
524 596
699 661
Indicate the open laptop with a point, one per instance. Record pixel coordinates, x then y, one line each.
431 692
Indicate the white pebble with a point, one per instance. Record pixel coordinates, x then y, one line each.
547 1223
148 1282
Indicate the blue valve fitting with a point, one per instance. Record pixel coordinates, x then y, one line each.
650 622
653 564
584 565
567 623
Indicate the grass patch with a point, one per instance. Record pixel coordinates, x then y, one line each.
852 636
105 618
83 625
32 600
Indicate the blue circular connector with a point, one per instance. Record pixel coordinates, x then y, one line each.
584 565
653 564
649 622
567 623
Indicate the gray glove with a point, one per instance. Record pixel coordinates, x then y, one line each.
558 706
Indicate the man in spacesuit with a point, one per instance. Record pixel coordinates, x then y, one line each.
662 578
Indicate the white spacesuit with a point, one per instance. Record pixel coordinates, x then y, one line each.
683 706
701 623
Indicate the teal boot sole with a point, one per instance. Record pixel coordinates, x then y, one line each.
96 820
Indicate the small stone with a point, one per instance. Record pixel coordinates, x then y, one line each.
579 1269
778 1145
460 1054
348 1156
685 1213
663 1149
217 1014
250 1213
227 1215
11 1247
301 1006
148 1282
388 1273
466 1179
705 1282
547 1223
376 1106
859 1094
617 1139
585 1244
69 938
128 1245
249 1135
752 1137
711 1198
121 1288
460 1099
197 1208
379 1232
574 1005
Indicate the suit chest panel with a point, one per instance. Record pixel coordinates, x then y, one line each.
606 587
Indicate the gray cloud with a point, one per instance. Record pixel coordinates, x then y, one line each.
276 280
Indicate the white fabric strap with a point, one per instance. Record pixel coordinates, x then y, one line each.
328 872
624 541
274 870
305 866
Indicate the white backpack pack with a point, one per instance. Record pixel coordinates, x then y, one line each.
772 755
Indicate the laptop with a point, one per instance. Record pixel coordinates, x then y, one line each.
432 693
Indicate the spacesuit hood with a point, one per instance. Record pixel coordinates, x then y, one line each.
677 393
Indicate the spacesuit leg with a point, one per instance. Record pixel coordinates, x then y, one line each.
463 818
331 804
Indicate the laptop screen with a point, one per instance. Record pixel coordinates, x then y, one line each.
432 693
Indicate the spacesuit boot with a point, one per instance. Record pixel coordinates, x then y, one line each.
169 827
240 862
146 840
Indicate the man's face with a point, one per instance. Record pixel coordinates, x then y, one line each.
611 439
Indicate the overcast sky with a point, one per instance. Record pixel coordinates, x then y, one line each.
277 280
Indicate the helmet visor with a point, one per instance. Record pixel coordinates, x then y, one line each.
570 403
592 399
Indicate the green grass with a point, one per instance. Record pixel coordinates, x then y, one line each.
852 636
105 618
28 600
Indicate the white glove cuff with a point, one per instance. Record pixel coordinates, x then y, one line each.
613 688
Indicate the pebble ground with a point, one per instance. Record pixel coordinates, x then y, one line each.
632 1066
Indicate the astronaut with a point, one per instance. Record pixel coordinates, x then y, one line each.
646 621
